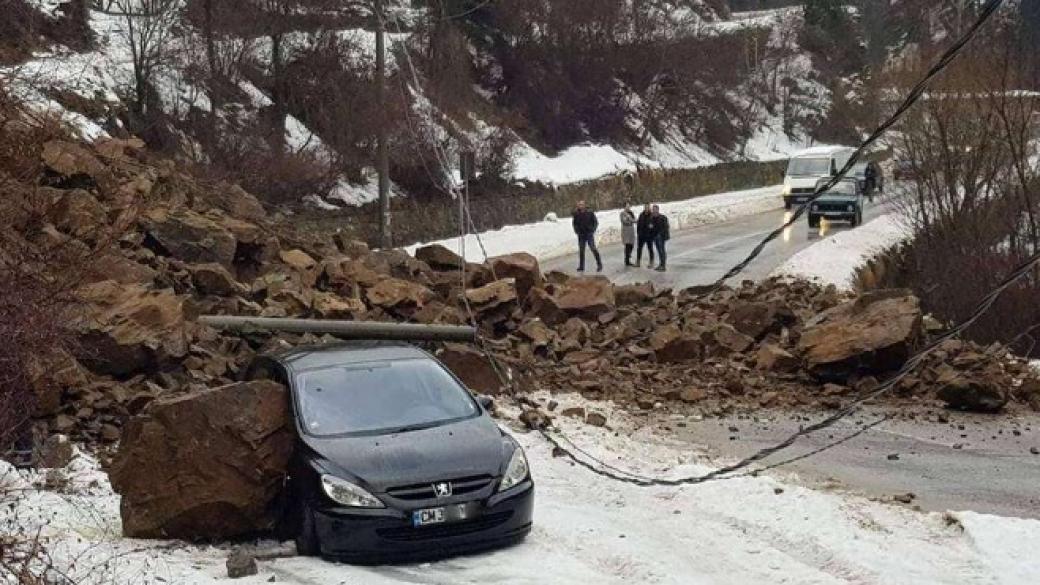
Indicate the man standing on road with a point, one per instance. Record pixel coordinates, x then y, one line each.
643 236
585 224
628 232
661 234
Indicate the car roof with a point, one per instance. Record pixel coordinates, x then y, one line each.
309 357
817 151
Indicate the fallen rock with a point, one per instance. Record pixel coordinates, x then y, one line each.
544 306
492 296
238 202
214 279
206 465
754 319
670 344
128 329
633 294
333 306
596 419
873 334
967 392
70 159
440 258
587 297
773 358
78 214
298 260
537 332
240 564
472 367
393 293
522 267
190 237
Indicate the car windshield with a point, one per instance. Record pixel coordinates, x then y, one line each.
843 188
809 166
381 398
860 169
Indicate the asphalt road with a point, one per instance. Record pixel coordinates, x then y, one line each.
701 255
970 462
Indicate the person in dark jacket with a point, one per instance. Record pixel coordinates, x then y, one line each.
643 236
661 234
585 224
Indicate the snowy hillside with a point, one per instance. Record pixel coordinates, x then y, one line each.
322 152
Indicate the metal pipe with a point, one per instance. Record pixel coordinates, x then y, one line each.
343 329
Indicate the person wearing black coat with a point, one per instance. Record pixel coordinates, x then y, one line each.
643 236
661 233
585 225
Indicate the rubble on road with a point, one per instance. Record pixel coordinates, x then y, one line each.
143 362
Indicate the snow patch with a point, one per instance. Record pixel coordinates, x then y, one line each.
591 530
836 258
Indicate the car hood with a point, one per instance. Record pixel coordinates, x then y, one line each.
466 448
836 198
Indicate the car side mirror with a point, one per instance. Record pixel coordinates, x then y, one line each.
486 402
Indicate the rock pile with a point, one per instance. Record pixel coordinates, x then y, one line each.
197 249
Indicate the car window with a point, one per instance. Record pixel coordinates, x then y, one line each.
381 397
809 166
844 188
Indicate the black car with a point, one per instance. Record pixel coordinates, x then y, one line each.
395 457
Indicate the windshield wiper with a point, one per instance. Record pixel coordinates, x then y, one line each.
415 427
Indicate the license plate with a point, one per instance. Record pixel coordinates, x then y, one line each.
444 514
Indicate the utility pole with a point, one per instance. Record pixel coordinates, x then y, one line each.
382 155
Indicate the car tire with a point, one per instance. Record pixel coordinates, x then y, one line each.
857 218
814 221
307 543
787 205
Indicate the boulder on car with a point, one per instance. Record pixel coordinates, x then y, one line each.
205 465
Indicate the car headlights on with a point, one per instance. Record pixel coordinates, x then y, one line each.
348 494
516 472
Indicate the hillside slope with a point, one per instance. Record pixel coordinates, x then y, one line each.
280 95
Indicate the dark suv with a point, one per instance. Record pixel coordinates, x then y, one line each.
395 458
842 202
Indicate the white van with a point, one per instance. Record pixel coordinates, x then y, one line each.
809 166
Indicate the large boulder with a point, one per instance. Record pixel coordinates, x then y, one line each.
755 319
522 267
587 297
492 296
205 465
191 237
670 344
440 258
542 305
872 334
78 214
214 279
128 329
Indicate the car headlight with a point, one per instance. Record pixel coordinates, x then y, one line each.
852 208
787 190
815 206
517 470
348 494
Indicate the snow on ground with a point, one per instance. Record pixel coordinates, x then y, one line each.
591 530
555 237
836 258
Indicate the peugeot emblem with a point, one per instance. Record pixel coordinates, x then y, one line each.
442 490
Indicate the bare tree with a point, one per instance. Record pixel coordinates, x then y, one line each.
149 27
